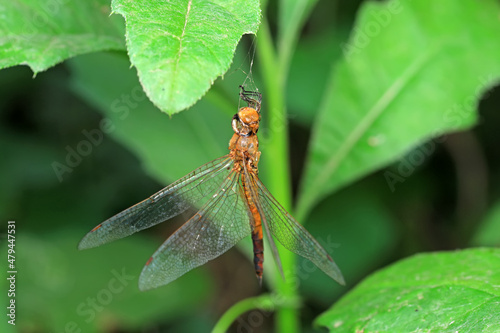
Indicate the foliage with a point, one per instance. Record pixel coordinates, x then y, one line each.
410 73
424 293
399 59
180 47
41 34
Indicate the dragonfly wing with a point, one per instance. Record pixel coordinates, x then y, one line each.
221 223
191 190
293 236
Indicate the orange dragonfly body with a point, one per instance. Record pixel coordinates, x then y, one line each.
232 203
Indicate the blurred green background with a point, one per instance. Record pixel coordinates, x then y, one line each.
449 201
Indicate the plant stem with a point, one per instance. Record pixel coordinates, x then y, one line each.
276 153
263 303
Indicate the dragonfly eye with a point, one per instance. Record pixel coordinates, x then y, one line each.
249 118
248 115
239 127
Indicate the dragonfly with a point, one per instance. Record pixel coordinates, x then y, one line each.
231 203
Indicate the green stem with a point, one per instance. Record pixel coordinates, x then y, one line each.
276 159
267 303
289 36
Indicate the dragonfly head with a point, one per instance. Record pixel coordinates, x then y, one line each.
246 121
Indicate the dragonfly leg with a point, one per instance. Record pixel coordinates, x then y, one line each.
253 98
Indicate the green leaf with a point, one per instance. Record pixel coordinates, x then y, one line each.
432 292
41 34
412 71
181 46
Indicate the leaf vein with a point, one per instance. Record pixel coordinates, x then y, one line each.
384 101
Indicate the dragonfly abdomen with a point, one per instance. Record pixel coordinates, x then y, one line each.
257 234
258 252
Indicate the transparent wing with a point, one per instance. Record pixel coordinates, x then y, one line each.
216 227
194 189
293 236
